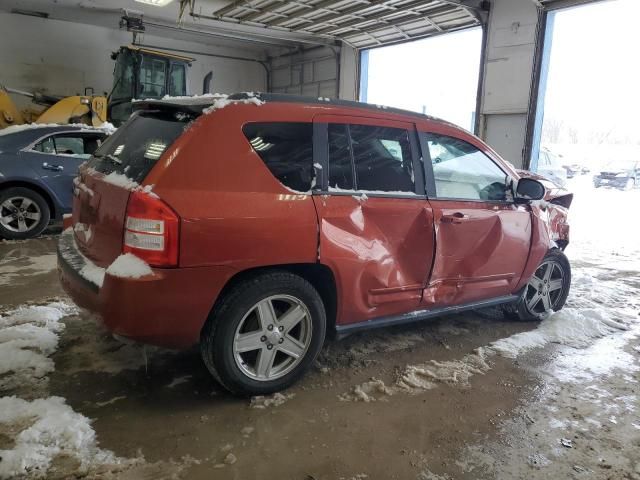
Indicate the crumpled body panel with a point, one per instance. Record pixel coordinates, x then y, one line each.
380 251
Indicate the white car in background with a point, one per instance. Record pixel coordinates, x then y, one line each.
550 166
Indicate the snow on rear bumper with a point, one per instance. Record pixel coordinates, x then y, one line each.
168 308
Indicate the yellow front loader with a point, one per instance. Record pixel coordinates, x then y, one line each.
139 73
88 109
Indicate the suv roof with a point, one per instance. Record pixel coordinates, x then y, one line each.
196 103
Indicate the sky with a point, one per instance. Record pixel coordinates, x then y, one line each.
594 73
439 73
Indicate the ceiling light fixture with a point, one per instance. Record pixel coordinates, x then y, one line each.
155 3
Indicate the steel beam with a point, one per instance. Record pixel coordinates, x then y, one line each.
403 23
324 6
404 10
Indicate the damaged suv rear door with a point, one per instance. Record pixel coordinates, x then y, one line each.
376 228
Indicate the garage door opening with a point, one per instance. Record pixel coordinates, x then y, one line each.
437 76
587 137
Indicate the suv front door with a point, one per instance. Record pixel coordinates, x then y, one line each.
482 236
376 228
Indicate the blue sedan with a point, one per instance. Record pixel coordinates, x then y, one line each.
37 166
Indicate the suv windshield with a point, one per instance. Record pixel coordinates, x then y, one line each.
136 146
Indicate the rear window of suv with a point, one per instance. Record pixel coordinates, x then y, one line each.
137 145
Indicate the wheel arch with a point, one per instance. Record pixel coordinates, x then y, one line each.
42 191
319 275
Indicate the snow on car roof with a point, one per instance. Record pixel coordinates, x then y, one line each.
205 99
106 127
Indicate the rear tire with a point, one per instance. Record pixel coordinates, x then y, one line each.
264 334
24 213
546 291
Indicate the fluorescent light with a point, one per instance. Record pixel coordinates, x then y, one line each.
259 144
154 151
155 3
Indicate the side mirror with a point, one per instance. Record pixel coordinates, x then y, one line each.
529 189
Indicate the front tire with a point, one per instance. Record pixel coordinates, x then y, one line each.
264 334
547 290
23 213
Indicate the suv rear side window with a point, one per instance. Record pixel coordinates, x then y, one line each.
136 146
286 148
379 156
382 158
461 171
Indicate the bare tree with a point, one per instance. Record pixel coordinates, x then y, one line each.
551 130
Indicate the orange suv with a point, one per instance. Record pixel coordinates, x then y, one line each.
255 224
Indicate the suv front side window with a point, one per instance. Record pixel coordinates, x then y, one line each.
463 172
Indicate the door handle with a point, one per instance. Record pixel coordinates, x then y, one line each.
55 168
457 217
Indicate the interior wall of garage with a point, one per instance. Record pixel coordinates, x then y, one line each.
311 71
62 58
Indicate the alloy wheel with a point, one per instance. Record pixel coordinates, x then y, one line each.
19 214
272 338
544 290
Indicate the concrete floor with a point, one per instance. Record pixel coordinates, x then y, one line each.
563 410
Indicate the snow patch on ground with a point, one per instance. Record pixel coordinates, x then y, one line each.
44 428
28 335
128 265
47 438
261 402
370 391
571 326
55 429
416 378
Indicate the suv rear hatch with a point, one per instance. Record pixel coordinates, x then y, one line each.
110 183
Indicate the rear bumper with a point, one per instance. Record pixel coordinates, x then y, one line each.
168 308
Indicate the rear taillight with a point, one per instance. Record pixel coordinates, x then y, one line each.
151 230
